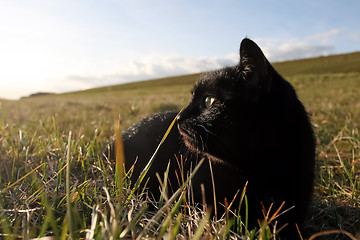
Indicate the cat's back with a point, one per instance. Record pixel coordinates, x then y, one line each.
142 139
151 126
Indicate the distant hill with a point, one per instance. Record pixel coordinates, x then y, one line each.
154 83
342 63
38 94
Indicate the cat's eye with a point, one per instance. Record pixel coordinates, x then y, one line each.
209 101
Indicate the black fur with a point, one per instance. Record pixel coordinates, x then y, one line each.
255 129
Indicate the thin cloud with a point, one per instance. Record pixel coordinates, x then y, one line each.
325 37
157 65
154 66
354 36
321 44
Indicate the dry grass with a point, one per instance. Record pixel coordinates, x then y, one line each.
36 154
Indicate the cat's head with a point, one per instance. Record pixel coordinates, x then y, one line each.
222 113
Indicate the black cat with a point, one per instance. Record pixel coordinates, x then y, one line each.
248 121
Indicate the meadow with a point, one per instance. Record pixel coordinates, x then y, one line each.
54 180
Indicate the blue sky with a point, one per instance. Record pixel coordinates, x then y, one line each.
67 45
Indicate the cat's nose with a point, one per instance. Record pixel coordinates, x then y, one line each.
183 114
179 117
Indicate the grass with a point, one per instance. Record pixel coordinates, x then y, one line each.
55 182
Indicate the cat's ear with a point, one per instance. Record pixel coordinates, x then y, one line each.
252 59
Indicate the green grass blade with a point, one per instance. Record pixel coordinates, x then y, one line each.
68 197
167 221
148 165
164 185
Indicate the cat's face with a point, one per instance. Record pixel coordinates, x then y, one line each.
223 110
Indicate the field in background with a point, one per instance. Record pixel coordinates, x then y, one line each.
35 131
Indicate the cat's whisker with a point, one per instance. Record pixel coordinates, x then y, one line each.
196 142
202 144
208 131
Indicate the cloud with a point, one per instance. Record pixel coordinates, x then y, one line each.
320 44
297 50
157 65
150 67
325 37
354 36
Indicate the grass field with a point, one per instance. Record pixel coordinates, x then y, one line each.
53 182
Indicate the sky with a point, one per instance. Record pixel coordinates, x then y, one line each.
65 45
